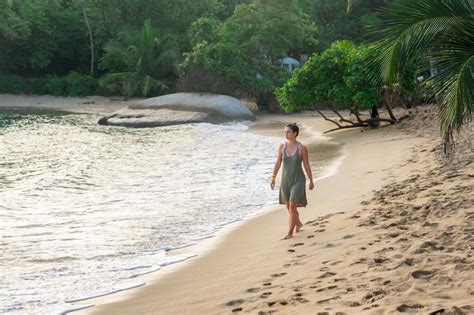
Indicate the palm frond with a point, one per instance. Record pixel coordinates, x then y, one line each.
439 30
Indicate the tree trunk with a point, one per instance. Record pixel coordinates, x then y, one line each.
90 40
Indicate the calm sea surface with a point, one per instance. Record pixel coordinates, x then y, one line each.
86 209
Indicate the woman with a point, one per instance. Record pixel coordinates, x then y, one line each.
293 181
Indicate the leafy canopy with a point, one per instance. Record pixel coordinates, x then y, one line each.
336 77
248 47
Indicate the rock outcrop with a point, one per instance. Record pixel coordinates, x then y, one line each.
180 108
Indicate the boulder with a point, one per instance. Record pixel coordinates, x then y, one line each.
180 108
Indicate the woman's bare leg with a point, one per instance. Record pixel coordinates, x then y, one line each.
298 225
292 220
289 220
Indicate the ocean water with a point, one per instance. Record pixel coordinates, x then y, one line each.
86 209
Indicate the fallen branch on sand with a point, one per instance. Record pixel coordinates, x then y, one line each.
361 123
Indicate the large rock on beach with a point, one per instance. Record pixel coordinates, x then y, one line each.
180 108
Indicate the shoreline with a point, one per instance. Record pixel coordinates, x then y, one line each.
389 233
236 259
87 104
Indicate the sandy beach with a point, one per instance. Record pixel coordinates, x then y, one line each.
391 232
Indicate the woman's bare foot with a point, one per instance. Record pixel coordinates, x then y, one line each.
298 227
288 236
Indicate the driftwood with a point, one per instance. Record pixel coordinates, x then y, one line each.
360 123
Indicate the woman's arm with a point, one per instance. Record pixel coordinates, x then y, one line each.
307 167
277 166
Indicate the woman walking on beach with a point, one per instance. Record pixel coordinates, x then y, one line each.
293 181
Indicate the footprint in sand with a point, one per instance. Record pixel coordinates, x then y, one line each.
347 236
267 284
264 295
374 296
271 303
310 236
297 244
408 308
291 250
319 231
340 279
275 275
238 309
329 300
380 260
422 274
327 275
252 290
371 306
235 302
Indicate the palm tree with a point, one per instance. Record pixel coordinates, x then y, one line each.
438 31
147 60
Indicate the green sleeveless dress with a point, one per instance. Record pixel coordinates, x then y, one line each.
293 180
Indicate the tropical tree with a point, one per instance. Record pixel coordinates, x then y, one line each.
441 34
335 79
140 63
247 48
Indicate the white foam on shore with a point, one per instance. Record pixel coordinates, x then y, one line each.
177 260
336 163
333 168
144 273
77 308
128 287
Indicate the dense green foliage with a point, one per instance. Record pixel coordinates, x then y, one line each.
334 77
13 84
50 84
81 85
238 40
248 47
139 62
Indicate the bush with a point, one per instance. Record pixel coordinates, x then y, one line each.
13 84
81 85
335 77
50 84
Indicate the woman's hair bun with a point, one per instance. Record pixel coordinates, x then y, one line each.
294 127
